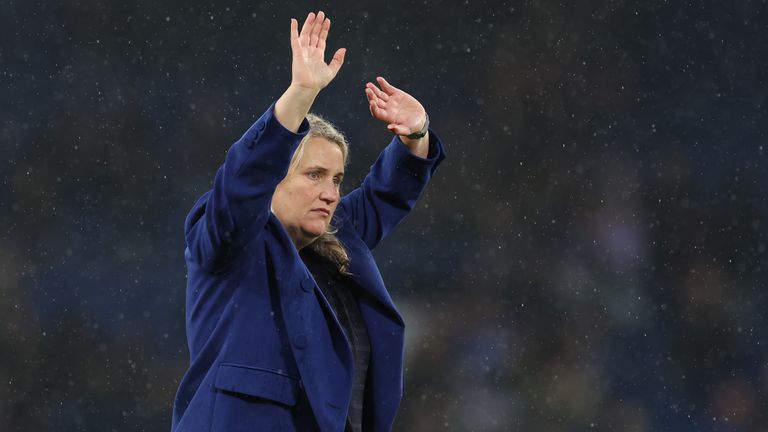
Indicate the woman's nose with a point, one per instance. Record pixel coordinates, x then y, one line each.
329 193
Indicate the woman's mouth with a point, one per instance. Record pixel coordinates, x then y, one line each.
323 211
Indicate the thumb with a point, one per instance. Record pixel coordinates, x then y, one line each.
337 60
397 129
295 36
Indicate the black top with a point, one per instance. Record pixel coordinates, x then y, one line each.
341 292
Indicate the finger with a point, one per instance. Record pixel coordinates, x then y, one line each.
375 90
294 35
337 60
397 129
373 96
373 105
316 27
375 102
306 28
378 113
387 87
324 34
370 95
379 93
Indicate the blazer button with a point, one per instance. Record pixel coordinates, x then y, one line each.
300 341
307 285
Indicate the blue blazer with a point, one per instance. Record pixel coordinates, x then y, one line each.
266 351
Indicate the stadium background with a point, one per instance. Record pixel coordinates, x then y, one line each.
590 257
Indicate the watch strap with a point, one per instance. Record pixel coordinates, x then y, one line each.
423 131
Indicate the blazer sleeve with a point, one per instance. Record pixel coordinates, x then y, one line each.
225 218
390 189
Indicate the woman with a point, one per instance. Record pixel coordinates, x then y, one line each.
289 325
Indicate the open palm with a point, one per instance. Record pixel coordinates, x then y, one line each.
402 113
309 69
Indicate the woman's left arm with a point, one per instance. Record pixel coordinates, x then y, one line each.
401 172
403 114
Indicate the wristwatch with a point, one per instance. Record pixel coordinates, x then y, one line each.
423 131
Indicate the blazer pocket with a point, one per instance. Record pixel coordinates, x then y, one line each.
256 382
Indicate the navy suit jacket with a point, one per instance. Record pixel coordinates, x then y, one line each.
266 351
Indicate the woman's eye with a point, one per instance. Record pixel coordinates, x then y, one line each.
337 181
313 175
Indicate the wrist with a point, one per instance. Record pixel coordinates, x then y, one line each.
303 90
294 105
417 146
421 132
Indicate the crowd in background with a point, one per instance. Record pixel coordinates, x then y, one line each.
590 257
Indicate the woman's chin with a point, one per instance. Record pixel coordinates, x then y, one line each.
314 231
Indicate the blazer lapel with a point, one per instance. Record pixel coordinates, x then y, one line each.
322 355
386 332
366 274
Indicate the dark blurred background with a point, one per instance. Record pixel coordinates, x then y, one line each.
590 257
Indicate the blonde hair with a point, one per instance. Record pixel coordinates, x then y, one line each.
327 245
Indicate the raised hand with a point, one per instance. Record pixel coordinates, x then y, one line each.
309 69
402 113
309 72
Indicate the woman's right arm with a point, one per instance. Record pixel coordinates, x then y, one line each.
227 216
309 72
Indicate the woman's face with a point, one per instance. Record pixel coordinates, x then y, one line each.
306 198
